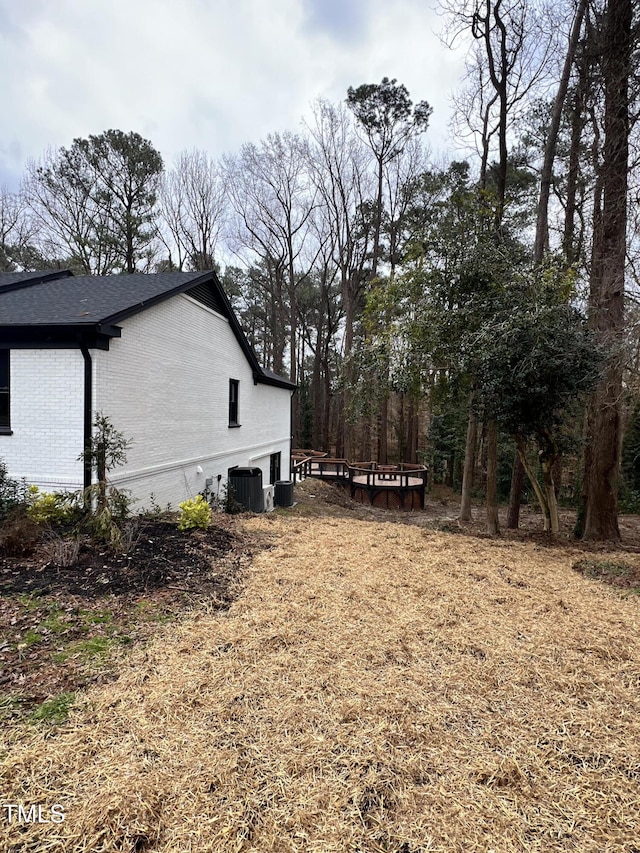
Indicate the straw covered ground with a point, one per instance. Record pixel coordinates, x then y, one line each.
376 687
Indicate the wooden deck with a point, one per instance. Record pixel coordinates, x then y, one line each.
399 486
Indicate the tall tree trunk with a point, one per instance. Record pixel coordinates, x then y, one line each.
542 231
383 436
493 525
469 459
515 495
316 393
570 250
550 493
542 227
542 502
402 454
606 300
412 431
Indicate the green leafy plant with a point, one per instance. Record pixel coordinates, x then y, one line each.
194 512
106 449
13 493
106 506
51 507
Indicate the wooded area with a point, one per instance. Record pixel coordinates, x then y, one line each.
479 317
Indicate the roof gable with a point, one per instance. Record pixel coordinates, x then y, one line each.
88 308
86 300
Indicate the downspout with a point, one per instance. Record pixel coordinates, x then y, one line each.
87 419
291 431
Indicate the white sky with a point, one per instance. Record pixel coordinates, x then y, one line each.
207 74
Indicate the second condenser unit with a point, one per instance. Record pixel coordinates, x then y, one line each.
246 488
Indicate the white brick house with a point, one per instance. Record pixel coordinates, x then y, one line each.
162 356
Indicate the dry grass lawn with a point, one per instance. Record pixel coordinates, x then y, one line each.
376 687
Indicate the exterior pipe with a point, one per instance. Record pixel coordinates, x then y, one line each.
88 394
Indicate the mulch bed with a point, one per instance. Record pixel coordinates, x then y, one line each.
51 614
160 555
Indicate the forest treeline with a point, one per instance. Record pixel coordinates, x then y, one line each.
479 316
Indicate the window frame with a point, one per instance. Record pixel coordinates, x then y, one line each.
234 403
5 391
275 467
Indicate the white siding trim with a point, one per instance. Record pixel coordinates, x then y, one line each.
196 460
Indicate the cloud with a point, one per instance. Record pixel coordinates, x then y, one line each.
344 20
207 74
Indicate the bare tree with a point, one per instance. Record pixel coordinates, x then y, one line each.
68 222
15 230
542 235
339 166
193 210
273 199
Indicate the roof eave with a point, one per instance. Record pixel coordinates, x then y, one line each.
58 335
155 300
278 382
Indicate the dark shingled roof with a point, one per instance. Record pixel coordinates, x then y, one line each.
13 280
87 300
83 306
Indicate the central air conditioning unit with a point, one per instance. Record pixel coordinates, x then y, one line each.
268 493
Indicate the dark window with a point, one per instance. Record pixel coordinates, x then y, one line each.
5 421
274 468
234 387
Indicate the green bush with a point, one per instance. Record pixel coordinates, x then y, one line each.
51 507
12 492
629 500
194 512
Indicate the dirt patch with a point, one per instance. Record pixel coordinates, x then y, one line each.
315 498
159 555
616 573
65 627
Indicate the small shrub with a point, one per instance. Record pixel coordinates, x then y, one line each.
106 507
194 512
19 534
63 551
154 512
106 449
229 502
109 512
12 492
101 526
629 501
51 507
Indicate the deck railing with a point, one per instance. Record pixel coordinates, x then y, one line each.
329 468
299 469
314 464
373 474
